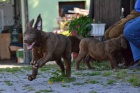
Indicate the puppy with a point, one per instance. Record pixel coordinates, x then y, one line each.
75 41
47 46
101 50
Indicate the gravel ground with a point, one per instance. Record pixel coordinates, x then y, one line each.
17 82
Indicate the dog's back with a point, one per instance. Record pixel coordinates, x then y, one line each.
101 50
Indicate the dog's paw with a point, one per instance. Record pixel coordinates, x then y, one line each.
33 63
31 77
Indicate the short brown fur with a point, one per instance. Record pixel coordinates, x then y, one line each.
47 46
101 50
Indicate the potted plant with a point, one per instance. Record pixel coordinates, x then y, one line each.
82 25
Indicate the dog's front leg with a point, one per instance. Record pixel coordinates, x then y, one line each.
34 74
42 61
36 55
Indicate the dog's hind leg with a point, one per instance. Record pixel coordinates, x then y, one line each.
67 62
113 62
87 61
81 55
61 65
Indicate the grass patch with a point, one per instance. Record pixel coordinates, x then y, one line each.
134 80
92 81
121 75
105 65
111 81
59 78
27 68
9 83
11 70
78 83
44 91
93 91
65 85
106 74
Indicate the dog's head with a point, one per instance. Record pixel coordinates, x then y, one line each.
123 41
32 34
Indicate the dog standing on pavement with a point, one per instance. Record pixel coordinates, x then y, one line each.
47 46
101 50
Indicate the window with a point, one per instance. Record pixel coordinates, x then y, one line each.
65 6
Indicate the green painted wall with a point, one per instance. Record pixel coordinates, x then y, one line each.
49 11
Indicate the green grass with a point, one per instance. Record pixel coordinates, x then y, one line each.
44 91
58 77
9 83
107 74
111 81
27 68
93 91
122 75
11 70
78 83
134 80
92 81
65 85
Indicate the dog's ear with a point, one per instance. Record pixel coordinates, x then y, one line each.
30 24
38 24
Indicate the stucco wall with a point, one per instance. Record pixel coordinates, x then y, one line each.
49 11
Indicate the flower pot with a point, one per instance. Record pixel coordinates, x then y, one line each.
97 29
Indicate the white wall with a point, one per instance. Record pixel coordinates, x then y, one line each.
49 11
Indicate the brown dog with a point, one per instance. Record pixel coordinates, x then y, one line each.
101 50
47 46
75 41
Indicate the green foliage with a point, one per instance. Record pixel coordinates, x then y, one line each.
134 80
59 78
11 70
107 74
82 25
92 81
111 81
9 83
44 91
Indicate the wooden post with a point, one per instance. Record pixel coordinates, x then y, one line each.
91 10
24 13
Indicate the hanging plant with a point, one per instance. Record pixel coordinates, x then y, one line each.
81 25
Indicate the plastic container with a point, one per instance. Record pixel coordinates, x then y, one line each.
19 55
98 29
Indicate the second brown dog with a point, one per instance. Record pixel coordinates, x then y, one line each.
101 50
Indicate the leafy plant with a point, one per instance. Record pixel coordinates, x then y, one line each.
59 78
82 25
134 80
110 81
